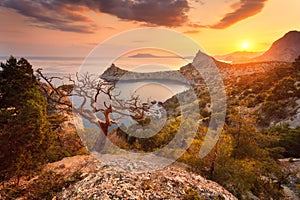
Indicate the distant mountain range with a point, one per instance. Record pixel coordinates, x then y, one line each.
285 49
144 55
148 55
238 57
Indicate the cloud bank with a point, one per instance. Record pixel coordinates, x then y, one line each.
68 15
71 15
166 12
52 15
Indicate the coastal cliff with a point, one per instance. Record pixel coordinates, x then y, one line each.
114 73
188 73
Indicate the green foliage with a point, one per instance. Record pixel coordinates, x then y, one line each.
240 161
144 122
66 87
157 141
246 138
244 160
296 64
191 194
274 109
289 140
16 77
24 124
45 186
284 89
278 98
27 140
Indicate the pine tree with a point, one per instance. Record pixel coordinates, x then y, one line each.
296 63
24 127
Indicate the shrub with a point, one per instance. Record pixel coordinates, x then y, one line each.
191 194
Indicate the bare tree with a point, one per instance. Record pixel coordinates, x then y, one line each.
89 88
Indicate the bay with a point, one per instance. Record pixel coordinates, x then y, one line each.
154 90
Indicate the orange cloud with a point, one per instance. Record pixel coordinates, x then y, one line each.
244 9
191 32
54 15
68 15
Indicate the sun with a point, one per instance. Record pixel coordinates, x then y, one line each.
245 45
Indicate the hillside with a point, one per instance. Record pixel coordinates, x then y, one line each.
287 48
262 97
262 125
256 79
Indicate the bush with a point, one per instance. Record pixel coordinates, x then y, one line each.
191 194
47 185
289 139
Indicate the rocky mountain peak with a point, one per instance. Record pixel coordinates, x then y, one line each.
292 34
287 48
201 56
112 73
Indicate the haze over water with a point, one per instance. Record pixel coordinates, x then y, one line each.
154 90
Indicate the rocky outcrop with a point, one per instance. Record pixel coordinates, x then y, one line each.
100 181
189 74
294 119
291 167
114 73
65 122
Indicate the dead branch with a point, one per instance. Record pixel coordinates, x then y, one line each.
89 88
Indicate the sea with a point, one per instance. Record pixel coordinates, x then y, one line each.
147 89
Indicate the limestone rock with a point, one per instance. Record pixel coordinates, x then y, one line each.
100 181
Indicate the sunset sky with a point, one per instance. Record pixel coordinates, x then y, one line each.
66 28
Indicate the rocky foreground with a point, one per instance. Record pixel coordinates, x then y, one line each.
99 181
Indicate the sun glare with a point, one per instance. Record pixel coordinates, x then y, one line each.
245 45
